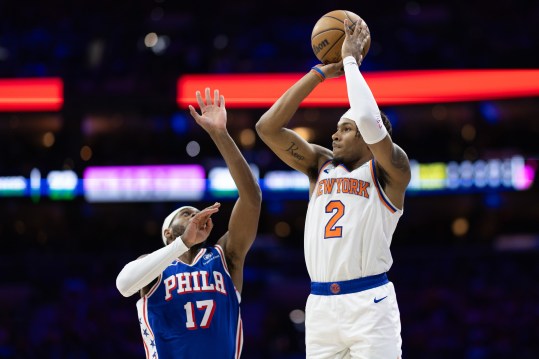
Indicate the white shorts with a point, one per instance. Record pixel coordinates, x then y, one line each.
362 325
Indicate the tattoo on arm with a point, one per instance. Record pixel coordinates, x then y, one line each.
399 159
293 151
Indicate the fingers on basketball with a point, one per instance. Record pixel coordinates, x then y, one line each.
328 35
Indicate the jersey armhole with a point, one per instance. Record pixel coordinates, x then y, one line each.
222 255
154 287
223 260
381 195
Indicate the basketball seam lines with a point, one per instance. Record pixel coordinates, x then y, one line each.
335 18
321 32
334 43
332 29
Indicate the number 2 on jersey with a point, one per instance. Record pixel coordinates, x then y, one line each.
208 306
337 208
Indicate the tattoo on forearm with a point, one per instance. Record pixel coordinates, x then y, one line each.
293 151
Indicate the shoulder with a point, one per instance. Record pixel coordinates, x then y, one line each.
395 172
221 242
322 152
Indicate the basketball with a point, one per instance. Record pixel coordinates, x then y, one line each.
328 35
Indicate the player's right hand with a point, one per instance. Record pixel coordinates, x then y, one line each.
355 40
213 112
200 226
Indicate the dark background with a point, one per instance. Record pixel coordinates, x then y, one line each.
468 294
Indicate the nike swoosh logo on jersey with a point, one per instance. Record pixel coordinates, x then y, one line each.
326 171
379 300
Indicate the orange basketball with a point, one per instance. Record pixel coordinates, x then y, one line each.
328 35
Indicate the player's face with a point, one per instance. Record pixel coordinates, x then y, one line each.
346 141
181 220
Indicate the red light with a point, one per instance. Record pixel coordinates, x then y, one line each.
44 94
389 87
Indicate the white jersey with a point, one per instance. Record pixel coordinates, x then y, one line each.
349 225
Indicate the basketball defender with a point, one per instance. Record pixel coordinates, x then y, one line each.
190 291
356 199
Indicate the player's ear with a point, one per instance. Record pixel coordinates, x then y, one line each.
168 233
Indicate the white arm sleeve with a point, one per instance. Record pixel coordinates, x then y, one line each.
363 108
140 272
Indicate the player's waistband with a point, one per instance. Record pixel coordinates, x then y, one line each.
349 286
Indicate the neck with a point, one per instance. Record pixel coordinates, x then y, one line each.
190 255
352 165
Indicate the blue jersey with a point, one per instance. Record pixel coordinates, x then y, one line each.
193 311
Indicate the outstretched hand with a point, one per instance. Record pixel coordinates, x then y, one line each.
355 40
200 225
213 112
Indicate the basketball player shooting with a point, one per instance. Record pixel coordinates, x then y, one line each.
190 290
356 199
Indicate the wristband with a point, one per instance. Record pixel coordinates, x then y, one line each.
318 73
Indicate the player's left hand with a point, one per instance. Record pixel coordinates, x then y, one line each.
213 112
332 70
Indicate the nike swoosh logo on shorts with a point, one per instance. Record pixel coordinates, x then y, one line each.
379 300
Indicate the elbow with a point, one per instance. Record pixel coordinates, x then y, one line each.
260 126
266 124
361 116
254 198
267 129
257 198
122 287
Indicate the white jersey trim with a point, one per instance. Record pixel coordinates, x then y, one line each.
154 287
239 338
223 260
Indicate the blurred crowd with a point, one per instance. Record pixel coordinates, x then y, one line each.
100 41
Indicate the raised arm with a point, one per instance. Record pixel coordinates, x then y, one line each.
366 114
243 224
285 143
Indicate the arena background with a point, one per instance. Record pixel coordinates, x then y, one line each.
466 252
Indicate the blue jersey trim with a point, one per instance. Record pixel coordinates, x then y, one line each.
388 204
